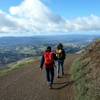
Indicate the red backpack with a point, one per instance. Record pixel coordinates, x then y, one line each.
48 56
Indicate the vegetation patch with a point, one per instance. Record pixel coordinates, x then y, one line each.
17 65
78 75
86 74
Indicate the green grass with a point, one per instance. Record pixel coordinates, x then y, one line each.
16 66
98 40
86 76
79 73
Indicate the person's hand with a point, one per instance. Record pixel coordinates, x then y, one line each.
41 69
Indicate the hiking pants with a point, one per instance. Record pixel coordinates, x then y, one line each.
50 75
60 67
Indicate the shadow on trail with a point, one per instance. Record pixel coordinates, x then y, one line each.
66 76
62 85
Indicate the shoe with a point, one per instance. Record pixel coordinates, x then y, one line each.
62 73
50 86
58 76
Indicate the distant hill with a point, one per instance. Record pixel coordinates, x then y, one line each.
86 73
13 49
13 41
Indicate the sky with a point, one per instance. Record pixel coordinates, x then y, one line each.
49 17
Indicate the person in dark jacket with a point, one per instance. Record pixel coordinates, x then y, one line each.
60 54
48 60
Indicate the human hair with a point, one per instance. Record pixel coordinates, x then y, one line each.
48 48
60 46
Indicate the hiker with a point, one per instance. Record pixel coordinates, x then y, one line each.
60 55
48 61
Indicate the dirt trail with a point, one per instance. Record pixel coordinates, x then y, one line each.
29 84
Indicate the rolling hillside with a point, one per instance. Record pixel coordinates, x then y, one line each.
86 73
80 82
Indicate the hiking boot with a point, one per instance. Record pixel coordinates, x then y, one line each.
58 76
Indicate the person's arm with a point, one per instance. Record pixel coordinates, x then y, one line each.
55 57
42 62
64 54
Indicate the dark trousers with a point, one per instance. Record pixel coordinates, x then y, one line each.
50 75
60 66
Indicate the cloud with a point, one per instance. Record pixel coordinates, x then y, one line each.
89 23
9 24
33 16
37 17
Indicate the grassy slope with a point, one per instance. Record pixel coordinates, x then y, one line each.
80 81
86 73
17 65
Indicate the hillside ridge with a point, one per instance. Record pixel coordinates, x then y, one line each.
86 72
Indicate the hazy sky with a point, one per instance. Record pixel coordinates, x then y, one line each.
44 17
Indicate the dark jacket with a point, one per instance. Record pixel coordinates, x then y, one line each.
63 55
